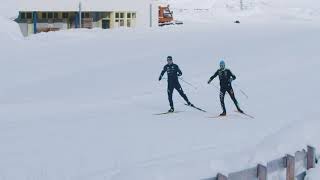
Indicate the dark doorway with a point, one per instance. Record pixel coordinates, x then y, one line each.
105 24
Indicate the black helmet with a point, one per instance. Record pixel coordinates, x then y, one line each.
169 58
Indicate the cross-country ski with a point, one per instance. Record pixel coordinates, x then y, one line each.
245 114
195 107
164 113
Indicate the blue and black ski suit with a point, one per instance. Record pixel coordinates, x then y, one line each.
225 77
173 71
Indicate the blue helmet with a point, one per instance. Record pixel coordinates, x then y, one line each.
222 64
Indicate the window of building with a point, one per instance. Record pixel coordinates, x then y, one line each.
65 15
44 15
50 15
121 15
29 15
22 15
134 15
129 23
129 15
85 15
121 23
107 15
56 15
120 19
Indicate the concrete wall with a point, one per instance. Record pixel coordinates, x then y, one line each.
61 25
24 29
30 28
27 28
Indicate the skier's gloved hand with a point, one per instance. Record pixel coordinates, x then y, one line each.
160 78
209 81
179 74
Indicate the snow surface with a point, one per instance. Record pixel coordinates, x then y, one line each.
258 3
79 104
313 174
10 32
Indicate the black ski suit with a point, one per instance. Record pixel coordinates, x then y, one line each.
225 77
173 71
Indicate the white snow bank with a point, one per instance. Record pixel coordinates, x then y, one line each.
287 140
9 30
79 104
313 174
207 4
285 9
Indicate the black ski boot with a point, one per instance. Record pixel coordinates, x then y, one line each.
223 114
240 111
171 110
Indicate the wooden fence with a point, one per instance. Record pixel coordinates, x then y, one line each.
288 167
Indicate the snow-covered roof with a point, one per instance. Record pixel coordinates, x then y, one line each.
87 5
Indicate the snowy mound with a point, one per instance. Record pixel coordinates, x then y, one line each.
249 3
285 9
313 174
9 30
80 104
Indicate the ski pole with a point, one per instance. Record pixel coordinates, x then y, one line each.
187 83
216 87
242 92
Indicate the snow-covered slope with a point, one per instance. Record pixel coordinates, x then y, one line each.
313 174
9 31
208 11
79 104
224 3
219 7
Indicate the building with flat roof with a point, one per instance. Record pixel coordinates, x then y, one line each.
42 16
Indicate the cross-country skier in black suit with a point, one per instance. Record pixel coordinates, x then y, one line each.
225 77
173 72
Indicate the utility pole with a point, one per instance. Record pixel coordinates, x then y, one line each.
80 15
151 17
